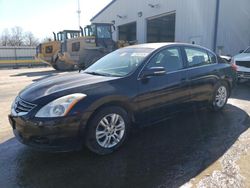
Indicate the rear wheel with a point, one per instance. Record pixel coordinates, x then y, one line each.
220 97
107 130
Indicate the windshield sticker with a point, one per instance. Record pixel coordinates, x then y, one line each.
123 54
139 54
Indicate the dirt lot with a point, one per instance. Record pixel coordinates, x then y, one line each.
194 149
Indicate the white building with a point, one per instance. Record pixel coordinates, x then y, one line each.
223 25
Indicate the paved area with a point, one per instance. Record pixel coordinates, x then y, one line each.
193 149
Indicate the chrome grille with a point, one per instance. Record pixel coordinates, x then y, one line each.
244 74
243 63
22 106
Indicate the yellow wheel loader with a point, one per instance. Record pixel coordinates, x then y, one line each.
77 48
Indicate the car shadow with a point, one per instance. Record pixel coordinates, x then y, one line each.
40 74
36 73
167 154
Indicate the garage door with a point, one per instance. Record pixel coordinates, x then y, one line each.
127 32
161 28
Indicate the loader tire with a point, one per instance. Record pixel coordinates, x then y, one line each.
63 66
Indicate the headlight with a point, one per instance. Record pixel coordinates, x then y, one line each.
60 107
13 105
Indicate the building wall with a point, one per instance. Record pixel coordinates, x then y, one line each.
17 53
195 20
234 26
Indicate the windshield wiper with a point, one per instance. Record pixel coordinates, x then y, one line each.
94 73
101 74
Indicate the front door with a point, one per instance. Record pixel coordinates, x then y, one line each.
162 95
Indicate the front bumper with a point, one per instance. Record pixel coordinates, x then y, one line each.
243 75
62 134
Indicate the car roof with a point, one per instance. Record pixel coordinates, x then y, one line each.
150 45
156 46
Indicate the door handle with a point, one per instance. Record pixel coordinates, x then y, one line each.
215 70
184 79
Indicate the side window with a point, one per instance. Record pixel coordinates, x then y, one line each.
197 57
169 58
48 49
75 46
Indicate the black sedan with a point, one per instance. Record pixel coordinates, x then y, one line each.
132 86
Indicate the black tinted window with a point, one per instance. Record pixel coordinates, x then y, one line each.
48 49
76 46
169 58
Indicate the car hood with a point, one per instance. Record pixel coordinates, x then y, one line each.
242 57
62 85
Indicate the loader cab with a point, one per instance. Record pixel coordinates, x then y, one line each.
64 35
68 34
102 33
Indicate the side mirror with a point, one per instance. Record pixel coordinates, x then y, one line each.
153 71
241 51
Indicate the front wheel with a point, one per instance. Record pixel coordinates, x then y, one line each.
220 97
107 130
63 66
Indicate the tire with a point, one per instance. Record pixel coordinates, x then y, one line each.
102 137
54 66
220 97
62 66
90 57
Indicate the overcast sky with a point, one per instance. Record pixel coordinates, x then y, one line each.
42 17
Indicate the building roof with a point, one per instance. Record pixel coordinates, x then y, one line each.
107 6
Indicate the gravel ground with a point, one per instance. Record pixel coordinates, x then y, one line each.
233 170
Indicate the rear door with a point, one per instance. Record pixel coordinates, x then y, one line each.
202 72
161 95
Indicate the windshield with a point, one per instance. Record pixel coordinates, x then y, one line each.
247 50
120 62
103 31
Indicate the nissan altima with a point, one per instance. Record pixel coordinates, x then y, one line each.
132 86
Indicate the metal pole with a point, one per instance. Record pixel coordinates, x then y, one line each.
79 14
15 51
217 13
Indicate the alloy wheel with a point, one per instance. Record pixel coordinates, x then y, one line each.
110 130
221 96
